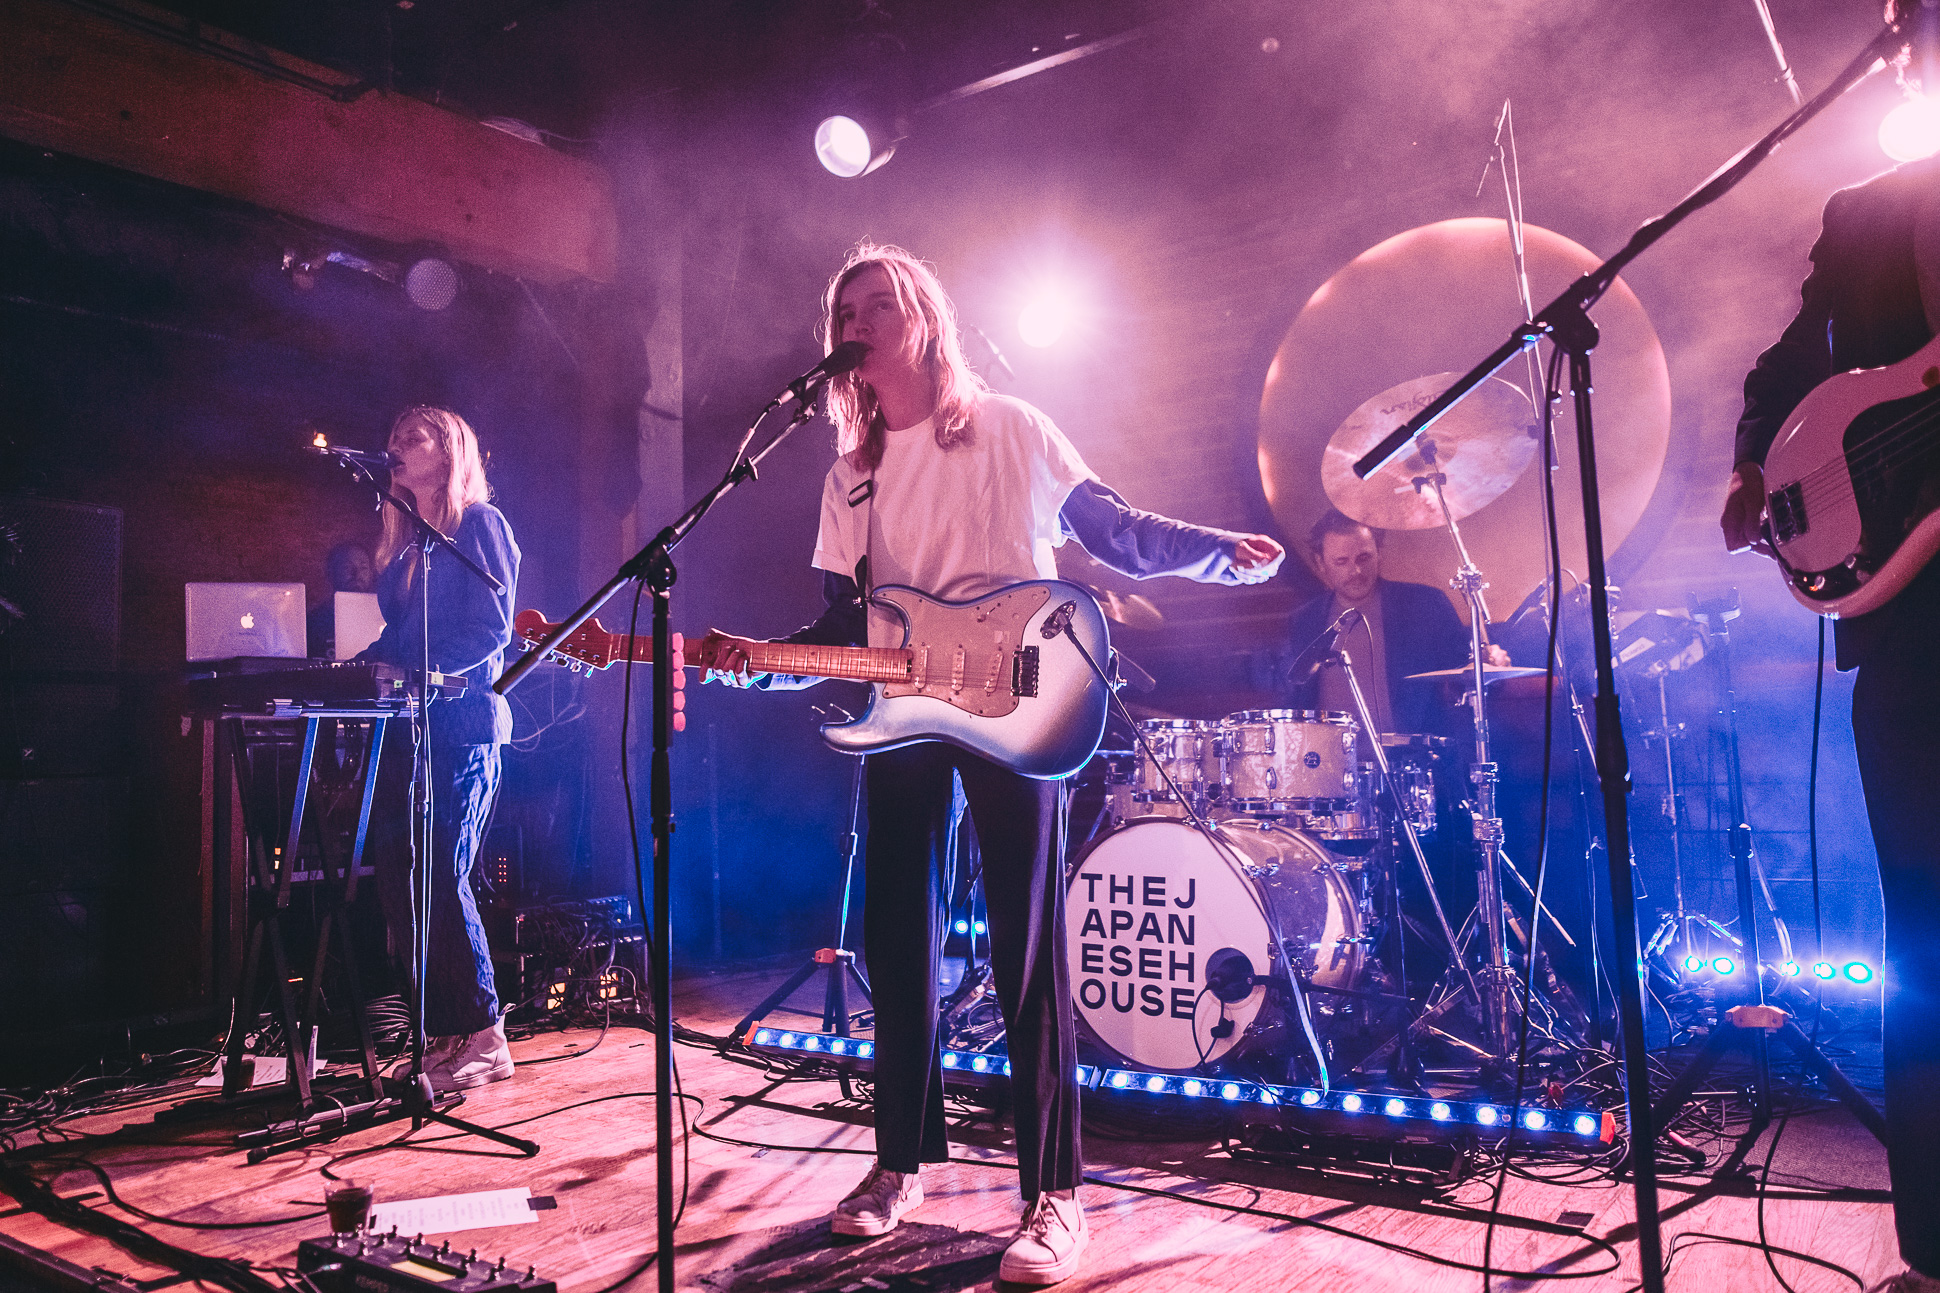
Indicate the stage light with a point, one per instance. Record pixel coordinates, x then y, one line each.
1488 1115
1723 964
962 927
1395 1108
1155 1084
1191 1087
1791 969
1440 1111
1823 970
1121 1079
1912 130
980 928
1692 964
1044 319
1536 1120
1351 1102
1585 1125
838 1047
1859 972
1229 1091
867 1050
764 1036
949 1059
1310 1098
980 1064
852 145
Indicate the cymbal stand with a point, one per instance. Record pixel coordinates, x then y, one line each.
1500 1011
1675 926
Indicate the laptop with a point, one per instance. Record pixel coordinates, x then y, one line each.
228 620
358 622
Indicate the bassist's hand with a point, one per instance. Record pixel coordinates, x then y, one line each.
725 659
1744 503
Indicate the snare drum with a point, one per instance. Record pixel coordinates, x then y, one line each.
1281 762
1154 907
1188 750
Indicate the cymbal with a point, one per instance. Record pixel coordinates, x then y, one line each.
1491 673
1480 447
1433 300
1130 609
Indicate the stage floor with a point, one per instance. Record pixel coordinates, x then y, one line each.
779 1154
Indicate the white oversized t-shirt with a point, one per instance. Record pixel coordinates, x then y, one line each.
954 523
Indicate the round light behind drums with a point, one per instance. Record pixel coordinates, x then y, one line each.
1433 301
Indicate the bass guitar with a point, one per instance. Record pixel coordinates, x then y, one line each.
999 675
1852 484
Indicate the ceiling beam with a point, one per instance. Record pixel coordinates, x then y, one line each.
148 91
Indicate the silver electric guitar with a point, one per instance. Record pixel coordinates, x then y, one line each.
998 675
1852 486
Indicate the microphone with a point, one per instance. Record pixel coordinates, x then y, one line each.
839 360
1230 975
1308 662
382 460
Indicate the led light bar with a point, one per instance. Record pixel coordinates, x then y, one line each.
1354 1112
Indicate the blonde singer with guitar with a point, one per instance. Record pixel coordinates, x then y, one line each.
1871 301
949 488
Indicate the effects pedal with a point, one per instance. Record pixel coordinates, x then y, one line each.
392 1264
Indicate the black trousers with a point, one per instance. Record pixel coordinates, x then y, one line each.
1896 727
1016 819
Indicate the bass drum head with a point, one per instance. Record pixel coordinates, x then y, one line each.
1156 906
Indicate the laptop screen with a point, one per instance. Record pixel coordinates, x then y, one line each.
227 620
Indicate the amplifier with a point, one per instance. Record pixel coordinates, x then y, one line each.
393 1264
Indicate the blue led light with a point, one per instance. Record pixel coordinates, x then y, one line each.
1824 970
763 1036
1395 1108
1587 1125
1121 1079
962 927
1791 969
980 1064
1535 1120
1267 1096
838 1047
1229 1091
1723 964
1351 1102
1859 972
1192 1087
981 928
949 1059
866 1049
1488 1115
1310 1098
1155 1084
789 1039
1693 963
811 1043
1006 1068
1440 1111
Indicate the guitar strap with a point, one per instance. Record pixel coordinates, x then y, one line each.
865 493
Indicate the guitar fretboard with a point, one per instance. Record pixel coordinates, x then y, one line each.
863 664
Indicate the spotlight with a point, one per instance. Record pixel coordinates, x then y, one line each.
1823 970
851 146
866 1050
1723 964
1791 969
1912 130
1395 1108
1351 1103
1044 319
1692 964
1859 972
1121 1079
949 1059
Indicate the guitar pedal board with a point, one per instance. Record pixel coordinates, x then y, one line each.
390 1263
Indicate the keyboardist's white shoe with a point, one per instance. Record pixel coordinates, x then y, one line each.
473 1059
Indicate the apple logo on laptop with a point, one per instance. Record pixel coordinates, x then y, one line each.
248 620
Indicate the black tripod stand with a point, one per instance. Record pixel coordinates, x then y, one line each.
1754 1021
839 961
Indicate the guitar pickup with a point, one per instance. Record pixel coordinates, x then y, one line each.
1787 508
1023 672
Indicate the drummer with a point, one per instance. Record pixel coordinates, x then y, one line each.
1402 629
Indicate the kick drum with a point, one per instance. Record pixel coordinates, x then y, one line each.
1171 936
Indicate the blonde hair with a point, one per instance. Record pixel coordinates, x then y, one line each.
931 337
464 486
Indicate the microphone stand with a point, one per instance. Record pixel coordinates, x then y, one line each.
1566 322
418 1101
654 564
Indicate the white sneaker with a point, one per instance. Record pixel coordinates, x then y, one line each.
473 1059
875 1206
1050 1243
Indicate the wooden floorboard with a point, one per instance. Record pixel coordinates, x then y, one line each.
756 1219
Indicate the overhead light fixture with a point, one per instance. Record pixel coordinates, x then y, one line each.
852 144
431 283
1912 130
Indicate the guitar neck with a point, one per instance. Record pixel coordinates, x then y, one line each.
858 664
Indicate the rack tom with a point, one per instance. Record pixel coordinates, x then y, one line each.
1187 749
1285 762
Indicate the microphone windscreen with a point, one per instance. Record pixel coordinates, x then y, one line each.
844 357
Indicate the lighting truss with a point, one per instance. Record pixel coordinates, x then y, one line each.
1356 1113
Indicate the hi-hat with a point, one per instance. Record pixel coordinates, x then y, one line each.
1131 610
1480 447
1491 673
